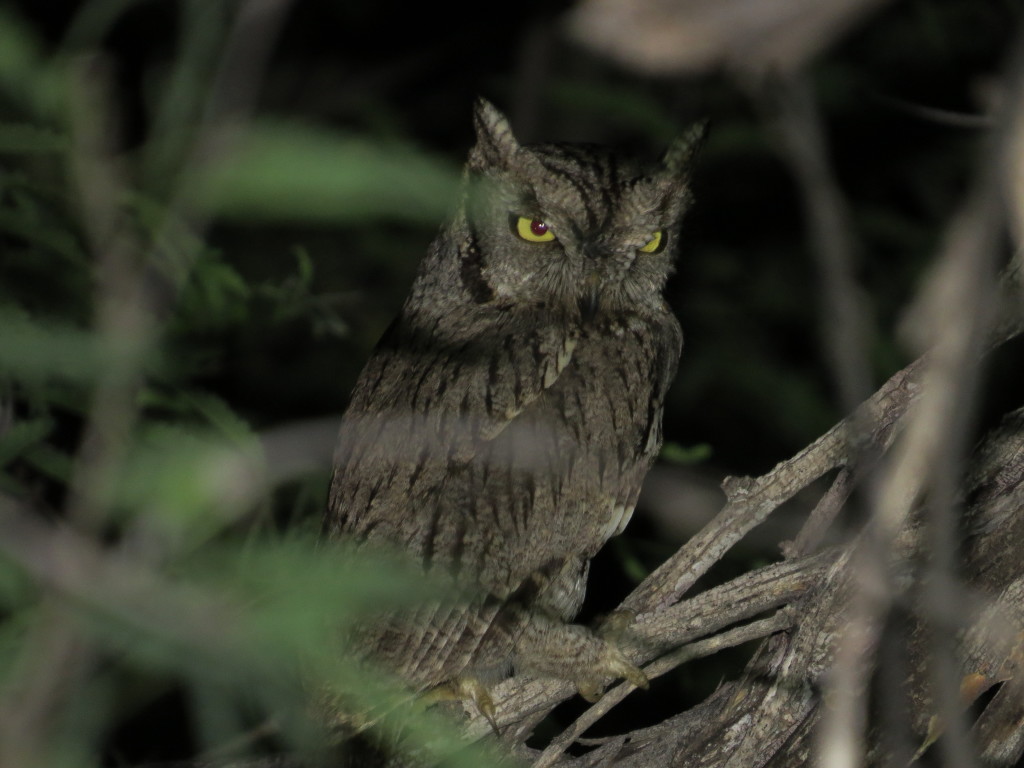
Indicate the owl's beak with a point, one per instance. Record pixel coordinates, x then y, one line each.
590 299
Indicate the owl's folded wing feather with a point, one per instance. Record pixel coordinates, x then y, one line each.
454 370
432 392
430 397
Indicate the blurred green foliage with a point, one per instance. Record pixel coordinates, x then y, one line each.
180 577
301 174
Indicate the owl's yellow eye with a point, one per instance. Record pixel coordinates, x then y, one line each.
655 244
533 230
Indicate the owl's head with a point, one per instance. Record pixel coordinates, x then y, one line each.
570 226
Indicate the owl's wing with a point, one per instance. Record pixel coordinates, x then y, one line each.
434 390
433 394
462 379
657 364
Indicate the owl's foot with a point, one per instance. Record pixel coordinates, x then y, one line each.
471 688
551 648
465 688
612 664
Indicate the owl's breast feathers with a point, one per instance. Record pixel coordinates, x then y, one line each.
501 452
507 457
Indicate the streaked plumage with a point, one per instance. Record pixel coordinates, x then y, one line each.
504 423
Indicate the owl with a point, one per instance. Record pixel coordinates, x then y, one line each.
503 425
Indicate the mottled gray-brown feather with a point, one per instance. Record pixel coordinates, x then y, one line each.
502 428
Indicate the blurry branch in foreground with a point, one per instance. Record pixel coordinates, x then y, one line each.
125 322
140 554
750 37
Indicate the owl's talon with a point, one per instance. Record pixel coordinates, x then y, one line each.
490 714
467 688
637 677
619 666
613 630
613 665
484 704
591 690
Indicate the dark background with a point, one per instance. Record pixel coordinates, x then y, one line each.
752 383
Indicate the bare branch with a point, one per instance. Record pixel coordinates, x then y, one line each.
755 630
751 500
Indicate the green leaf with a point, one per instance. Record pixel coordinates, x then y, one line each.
402 723
51 462
189 484
631 564
15 587
24 73
297 588
214 296
19 49
292 172
36 350
189 403
20 436
42 234
674 453
305 265
220 416
22 139
177 250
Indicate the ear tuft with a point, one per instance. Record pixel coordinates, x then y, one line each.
680 155
495 143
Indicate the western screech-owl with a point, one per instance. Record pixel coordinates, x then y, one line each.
506 419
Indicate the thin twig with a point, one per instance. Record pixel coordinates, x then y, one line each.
842 314
737 600
932 114
822 516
